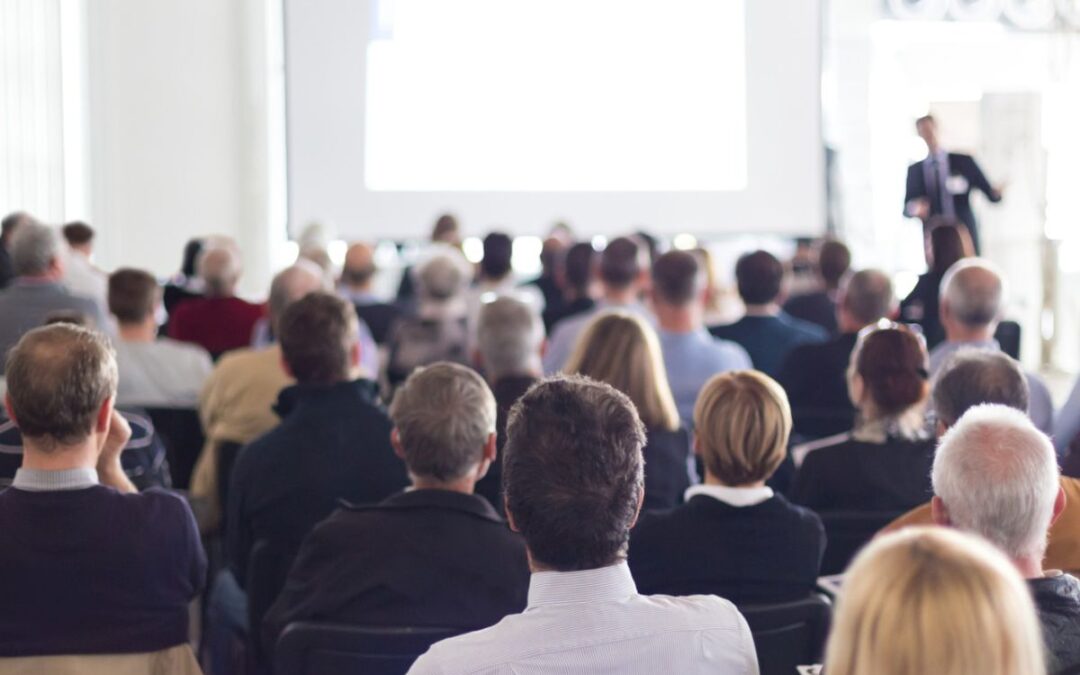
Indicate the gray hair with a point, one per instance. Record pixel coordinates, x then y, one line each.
442 277
444 415
509 334
868 296
998 477
291 284
219 268
974 291
34 247
975 376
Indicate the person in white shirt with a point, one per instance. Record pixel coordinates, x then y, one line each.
573 484
80 275
154 372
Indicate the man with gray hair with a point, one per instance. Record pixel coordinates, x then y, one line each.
37 292
435 555
996 475
972 304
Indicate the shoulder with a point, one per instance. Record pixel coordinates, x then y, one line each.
800 514
157 503
692 612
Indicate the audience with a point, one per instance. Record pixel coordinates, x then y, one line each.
92 567
972 302
186 284
445 233
819 306
884 463
573 479
815 375
691 354
996 475
8 227
933 601
219 321
80 275
552 251
575 277
766 332
621 350
948 244
623 275
436 555
154 372
37 292
734 537
355 285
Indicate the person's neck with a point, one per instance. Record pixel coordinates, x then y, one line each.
710 479
145 331
465 485
961 333
1030 566
768 309
620 296
685 319
82 455
534 370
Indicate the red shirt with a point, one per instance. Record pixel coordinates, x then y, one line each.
216 324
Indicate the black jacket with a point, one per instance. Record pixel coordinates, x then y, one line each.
815 379
921 307
507 391
378 316
421 558
768 552
667 468
816 307
1057 598
962 166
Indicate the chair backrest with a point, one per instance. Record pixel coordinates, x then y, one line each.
789 634
268 567
848 531
306 648
182 433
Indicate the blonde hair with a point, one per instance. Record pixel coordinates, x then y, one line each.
934 600
622 350
743 422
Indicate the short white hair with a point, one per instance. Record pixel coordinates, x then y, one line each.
509 334
998 477
974 290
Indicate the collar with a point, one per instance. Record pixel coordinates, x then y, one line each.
39 480
732 496
768 311
323 395
473 504
358 297
603 584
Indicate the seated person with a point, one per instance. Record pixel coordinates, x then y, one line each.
574 273
948 243
436 555
355 285
766 332
818 306
733 537
620 349
884 463
573 478
154 372
92 566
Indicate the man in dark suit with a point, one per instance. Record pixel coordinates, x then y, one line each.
941 184
436 555
355 285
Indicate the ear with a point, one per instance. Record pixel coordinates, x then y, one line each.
491 447
354 354
940 428
10 409
1060 502
510 520
944 313
938 512
395 441
477 359
543 347
697 446
640 502
856 389
286 368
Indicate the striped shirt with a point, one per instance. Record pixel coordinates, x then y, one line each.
595 622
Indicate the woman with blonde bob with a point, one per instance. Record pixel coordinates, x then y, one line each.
734 537
933 600
622 350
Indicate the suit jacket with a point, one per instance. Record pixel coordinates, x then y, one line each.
815 379
769 339
817 307
767 552
667 467
963 166
420 558
921 307
378 316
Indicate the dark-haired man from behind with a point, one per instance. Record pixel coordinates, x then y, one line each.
819 306
355 285
574 487
574 275
436 555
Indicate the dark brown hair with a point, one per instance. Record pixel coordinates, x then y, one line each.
892 363
949 243
132 294
620 263
677 278
759 276
78 233
318 333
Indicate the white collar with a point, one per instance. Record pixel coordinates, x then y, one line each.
732 496
602 584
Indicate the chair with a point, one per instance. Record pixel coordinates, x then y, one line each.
846 532
267 569
789 634
329 649
182 433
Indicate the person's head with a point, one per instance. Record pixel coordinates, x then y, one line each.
443 277
887 376
973 377
291 284
509 338
219 268
833 262
79 236
573 472
36 251
996 475
133 297
759 277
867 297
678 282
446 230
359 268
320 339
926 127
444 424
972 299
742 422
61 381
622 350
949 243
498 251
190 261
577 269
933 600
623 264
10 224
550 253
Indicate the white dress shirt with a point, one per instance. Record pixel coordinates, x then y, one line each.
594 622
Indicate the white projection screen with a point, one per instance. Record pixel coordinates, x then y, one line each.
679 116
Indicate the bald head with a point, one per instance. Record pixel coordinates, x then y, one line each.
359 267
219 269
291 284
972 294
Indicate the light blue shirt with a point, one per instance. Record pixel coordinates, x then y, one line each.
1067 422
565 334
691 359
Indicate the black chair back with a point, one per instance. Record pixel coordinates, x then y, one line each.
1008 336
306 648
182 433
848 531
789 634
267 570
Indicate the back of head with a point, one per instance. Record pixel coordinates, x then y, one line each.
933 600
291 284
446 230
11 223
318 335
834 260
892 363
509 335
678 279
132 295
759 276
974 292
34 248
359 266
975 376
444 415
621 263
572 472
868 296
219 268
498 251
189 263
58 377
442 277
578 266
998 477
78 233
949 243
743 421
622 350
